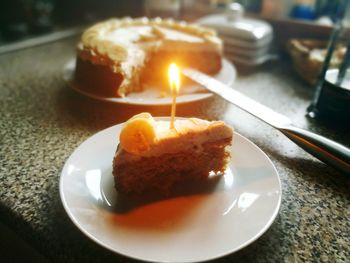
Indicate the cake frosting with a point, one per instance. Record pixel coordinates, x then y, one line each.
115 37
187 134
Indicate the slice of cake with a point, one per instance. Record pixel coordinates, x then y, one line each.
115 56
152 157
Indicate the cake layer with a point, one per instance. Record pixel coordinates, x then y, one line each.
163 173
97 78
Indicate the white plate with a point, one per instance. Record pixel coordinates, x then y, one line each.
209 221
151 95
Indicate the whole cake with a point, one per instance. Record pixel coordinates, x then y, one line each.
152 157
115 56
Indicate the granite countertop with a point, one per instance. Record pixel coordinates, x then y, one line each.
42 121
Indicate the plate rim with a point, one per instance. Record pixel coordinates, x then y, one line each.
68 69
267 225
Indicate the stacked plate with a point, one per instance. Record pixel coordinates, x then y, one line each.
246 41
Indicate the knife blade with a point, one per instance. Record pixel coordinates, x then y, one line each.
326 150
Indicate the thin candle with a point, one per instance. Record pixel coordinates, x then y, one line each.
174 81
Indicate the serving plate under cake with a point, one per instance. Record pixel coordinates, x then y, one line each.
152 95
201 222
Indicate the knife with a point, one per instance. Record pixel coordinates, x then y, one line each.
322 148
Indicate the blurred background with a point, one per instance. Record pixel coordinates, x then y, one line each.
21 19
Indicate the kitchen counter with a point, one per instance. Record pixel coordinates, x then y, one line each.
42 121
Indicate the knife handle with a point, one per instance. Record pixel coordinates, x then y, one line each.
324 149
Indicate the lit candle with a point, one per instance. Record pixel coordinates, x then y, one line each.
174 81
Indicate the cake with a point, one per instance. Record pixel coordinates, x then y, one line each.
115 56
152 157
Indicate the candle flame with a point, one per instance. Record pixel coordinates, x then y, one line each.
174 77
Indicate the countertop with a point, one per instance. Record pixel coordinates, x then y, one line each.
42 121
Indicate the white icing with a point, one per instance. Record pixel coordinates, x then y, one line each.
176 35
116 38
189 134
127 35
